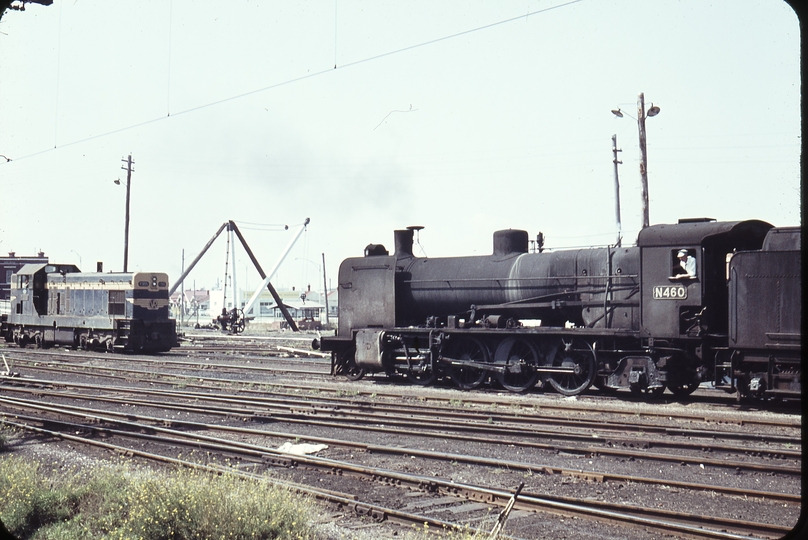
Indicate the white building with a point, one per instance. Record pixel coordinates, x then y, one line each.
306 306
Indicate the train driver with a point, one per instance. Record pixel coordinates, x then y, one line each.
688 265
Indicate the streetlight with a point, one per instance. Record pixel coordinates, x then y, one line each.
642 114
129 171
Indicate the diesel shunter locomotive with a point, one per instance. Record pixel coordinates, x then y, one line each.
615 317
56 304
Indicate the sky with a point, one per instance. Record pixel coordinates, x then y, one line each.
464 117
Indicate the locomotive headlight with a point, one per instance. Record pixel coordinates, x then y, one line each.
154 281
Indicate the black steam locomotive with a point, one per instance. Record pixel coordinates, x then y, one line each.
613 317
55 304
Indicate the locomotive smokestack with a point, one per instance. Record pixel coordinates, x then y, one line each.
510 241
404 243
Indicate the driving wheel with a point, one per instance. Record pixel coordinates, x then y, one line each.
468 349
578 356
519 356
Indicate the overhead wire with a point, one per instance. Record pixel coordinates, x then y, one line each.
261 226
303 78
267 226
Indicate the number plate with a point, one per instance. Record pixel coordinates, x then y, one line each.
670 292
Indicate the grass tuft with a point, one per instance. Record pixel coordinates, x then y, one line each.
113 502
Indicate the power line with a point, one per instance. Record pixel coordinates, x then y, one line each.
304 77
458 34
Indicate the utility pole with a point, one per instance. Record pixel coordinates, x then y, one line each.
642 114
182 292
617 162
325 288
643 159
129 172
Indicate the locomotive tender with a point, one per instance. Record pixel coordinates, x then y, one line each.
56 304
614 317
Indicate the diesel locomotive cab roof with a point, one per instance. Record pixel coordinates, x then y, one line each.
751 233
32 268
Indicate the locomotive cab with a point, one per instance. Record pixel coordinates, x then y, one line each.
29 289
676 307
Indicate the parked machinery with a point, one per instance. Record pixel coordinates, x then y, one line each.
613 317
55 304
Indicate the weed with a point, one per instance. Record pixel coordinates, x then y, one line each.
115 502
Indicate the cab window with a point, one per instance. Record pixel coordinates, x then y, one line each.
683 263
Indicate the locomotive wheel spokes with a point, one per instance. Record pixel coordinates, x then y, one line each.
518 355
577 354
471 349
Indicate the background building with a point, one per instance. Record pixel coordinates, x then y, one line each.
304 307
9 265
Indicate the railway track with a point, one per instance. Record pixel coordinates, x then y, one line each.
247 415
639 516
608 439
65 362
709 461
